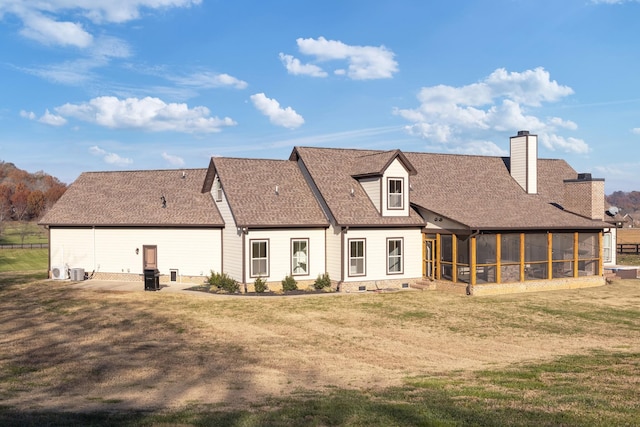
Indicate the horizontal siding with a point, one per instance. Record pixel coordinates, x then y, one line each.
372 187
232 241
280 252
376 253
333 240
192 252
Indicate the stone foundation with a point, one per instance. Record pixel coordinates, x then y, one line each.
378 285
131 277
537 285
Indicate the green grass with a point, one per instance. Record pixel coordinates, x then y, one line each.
628 259
571 390
13 232
23 260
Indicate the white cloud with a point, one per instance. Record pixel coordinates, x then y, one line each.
636 131
151 114
52 119
173 160
28 115
209 80
110 158
502 102
43 20
285 117
295 67
364 62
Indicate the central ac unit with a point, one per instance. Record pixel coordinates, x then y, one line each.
58 273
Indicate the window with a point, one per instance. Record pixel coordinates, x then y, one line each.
606 247
395 195
218 190
299 256
356 258
394 256
259 258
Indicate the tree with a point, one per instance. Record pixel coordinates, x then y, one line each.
19 202
36 204
5 205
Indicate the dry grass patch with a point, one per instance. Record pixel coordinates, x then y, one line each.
85 350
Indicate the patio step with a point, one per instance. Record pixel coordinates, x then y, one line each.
423 285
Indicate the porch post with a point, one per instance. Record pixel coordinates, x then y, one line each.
576 243
498 258
454 260
522 258
550 255
472 262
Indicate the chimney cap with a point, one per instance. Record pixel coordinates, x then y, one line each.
523 132
584 176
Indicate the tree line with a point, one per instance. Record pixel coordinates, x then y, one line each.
26 196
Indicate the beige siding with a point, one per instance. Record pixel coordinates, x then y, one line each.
232 241
524 162
280 252
334 252
371 186
396 170
376 253
192 252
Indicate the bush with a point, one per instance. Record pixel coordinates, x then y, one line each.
260 285
323 281
223 282
289 284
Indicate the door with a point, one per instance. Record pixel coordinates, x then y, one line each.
149 257
428 252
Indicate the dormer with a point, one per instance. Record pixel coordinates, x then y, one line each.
384 176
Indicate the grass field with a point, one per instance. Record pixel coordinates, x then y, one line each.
75 356
23 259
13 233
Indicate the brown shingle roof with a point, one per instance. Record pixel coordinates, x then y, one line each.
476 191
374 164
134 198
332 171
250 188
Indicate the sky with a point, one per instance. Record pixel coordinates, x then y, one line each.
95 85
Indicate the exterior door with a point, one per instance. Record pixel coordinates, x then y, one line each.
149 257
428 251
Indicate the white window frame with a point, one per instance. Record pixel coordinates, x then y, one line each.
362 258
264 258
395 200
606 247
398 259
298 259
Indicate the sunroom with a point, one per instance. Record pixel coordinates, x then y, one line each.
494 257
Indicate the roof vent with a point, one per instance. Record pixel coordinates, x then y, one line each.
523 132
584 177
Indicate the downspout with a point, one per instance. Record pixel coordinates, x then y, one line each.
472 261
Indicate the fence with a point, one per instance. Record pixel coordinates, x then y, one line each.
629 248
26 246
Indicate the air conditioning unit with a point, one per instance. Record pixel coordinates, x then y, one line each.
58 273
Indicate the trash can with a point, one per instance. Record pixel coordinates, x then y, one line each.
151 279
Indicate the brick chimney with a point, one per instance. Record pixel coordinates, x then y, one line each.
584 196
524 160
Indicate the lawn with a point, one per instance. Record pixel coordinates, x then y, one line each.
85 357
16 233
23 259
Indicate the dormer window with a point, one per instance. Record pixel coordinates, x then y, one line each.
395 193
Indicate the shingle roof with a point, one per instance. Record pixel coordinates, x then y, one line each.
133 198
332 171
476 191
374 164
250 188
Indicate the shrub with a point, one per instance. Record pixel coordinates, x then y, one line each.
223 282
323 281
289 284
260 285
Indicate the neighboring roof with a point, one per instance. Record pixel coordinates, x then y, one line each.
476 191
332 171
375 164
249 186
133 198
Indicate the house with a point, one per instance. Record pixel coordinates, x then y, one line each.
117 224
371 219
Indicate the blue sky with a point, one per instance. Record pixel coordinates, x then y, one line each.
157 84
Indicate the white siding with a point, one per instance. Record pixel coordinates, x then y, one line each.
192 252
376 253
396 170
334 252
232 241
371 186
280 252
